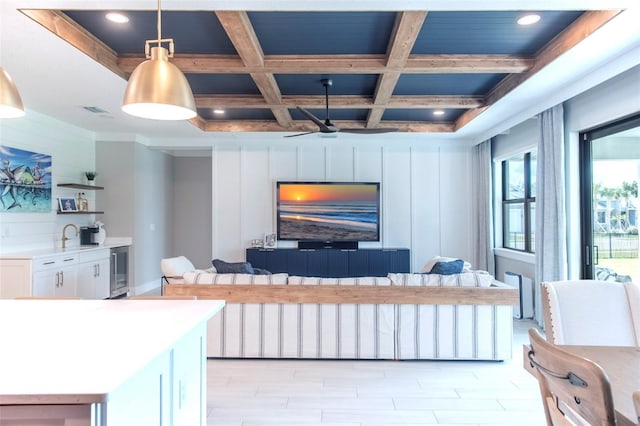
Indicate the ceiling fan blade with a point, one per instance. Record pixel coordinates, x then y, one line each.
316 120
299 134
369 131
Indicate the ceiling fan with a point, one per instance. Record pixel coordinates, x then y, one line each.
327 126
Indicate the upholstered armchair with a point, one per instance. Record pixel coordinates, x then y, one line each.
591 312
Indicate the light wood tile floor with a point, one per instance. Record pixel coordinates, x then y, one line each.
359 393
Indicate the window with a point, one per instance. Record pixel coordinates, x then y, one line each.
519 202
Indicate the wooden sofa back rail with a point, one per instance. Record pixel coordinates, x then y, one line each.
335 294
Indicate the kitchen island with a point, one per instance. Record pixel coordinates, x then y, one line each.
104 362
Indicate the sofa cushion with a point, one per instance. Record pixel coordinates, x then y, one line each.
202 277
465 279
431 262
232 267
447 268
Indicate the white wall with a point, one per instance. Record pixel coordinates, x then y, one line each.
191 211
138 201
425 191
72 152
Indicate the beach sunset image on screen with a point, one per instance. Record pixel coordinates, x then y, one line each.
328 211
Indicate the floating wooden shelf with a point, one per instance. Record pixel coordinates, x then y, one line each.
78 212
79 186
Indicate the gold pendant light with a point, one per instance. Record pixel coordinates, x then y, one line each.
10 102
157 89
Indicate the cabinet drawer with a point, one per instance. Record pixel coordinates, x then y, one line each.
93 255
59 261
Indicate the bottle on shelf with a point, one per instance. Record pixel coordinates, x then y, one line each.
85 203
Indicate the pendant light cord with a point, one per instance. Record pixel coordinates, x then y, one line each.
159 25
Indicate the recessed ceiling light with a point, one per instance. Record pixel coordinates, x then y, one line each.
438 112
116 17
218 111
528 19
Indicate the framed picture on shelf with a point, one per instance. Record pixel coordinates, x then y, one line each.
67 204
270 240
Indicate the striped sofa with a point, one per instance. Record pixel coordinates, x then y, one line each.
465 316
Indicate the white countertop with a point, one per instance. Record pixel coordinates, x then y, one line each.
78 351
72 249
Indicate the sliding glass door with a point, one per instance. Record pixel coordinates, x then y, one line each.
610 172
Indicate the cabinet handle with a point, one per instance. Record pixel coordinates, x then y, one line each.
57 279
49 263
61 278
98 265
69 259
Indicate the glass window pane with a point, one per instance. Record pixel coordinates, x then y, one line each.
532 231
514 178
514 226
532 172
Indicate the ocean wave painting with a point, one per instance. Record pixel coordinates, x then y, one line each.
25 181
347 212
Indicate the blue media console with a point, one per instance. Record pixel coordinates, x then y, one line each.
332 263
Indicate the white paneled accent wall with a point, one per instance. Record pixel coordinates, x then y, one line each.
425 192
73 152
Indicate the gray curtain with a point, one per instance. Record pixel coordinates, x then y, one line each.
482 201
550 226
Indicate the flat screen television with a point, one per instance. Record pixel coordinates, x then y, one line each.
328 211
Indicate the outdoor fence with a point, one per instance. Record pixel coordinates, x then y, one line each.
615 246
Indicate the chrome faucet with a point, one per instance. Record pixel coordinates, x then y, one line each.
64 237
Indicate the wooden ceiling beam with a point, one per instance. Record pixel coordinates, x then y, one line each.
304 126
466 64
405 31
339 102
341 64
244 39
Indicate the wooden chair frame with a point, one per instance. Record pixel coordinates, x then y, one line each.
574 390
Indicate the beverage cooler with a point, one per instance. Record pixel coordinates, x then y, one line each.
119 271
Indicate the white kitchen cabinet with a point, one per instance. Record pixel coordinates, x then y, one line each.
93 274
54 276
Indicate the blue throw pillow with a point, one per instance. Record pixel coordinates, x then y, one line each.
448 268
223 267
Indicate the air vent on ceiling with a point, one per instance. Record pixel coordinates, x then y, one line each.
95 110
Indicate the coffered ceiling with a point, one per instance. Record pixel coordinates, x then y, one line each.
391 67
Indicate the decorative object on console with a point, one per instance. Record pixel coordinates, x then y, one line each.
270 240
257 243
26 181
